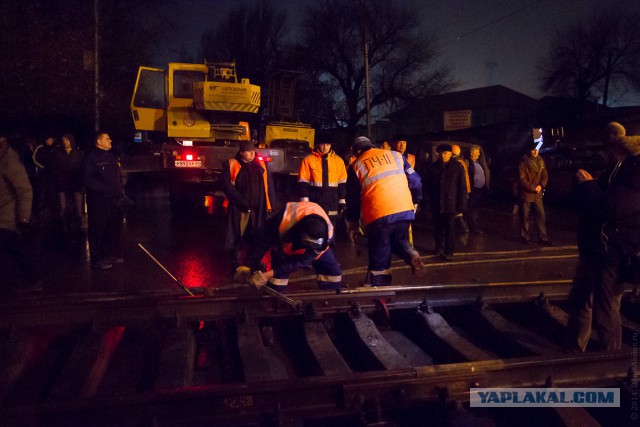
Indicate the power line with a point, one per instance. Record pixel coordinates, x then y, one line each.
495 21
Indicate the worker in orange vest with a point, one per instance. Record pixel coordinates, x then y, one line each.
299 236
322 179
246 182
385 190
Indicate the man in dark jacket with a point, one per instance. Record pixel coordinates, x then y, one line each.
447 188
103 182
532 180
247 183
608 244
15 211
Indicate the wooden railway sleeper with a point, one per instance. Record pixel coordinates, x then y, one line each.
573 416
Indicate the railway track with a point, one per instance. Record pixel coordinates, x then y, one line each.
365 356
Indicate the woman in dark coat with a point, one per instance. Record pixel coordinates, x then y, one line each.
65 168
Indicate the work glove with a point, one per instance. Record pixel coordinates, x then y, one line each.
242 274
352 231
258 279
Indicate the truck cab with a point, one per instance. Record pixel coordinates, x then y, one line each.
199 112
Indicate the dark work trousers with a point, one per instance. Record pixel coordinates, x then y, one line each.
475 199
444 232
329 273
103 231
11 243
382 241
538 217
594 302
45 201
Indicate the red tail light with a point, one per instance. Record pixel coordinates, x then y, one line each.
265 159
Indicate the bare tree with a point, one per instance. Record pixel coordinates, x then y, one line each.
47 66
587 61
253 37
402 58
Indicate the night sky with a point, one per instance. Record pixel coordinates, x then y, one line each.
485 42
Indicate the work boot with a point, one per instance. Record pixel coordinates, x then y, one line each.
417 266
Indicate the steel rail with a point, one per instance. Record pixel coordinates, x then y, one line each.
241 302
237 302
337 395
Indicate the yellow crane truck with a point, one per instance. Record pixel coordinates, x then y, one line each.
200 112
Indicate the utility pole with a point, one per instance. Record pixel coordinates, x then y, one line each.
96 64
365 48
366 83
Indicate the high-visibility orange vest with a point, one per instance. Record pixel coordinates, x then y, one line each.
294 212
465 166
384 185
411 159
311 170
234 169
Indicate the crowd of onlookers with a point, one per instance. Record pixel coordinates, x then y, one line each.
54 171
61 190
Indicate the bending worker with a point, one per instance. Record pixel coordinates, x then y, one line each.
298 237
322 179
386 188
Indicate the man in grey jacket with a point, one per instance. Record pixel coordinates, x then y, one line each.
16 197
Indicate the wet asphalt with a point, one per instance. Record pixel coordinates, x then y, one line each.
190 247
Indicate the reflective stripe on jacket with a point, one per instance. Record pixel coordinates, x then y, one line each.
295 211
234 169
313 172
322 179
384 186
